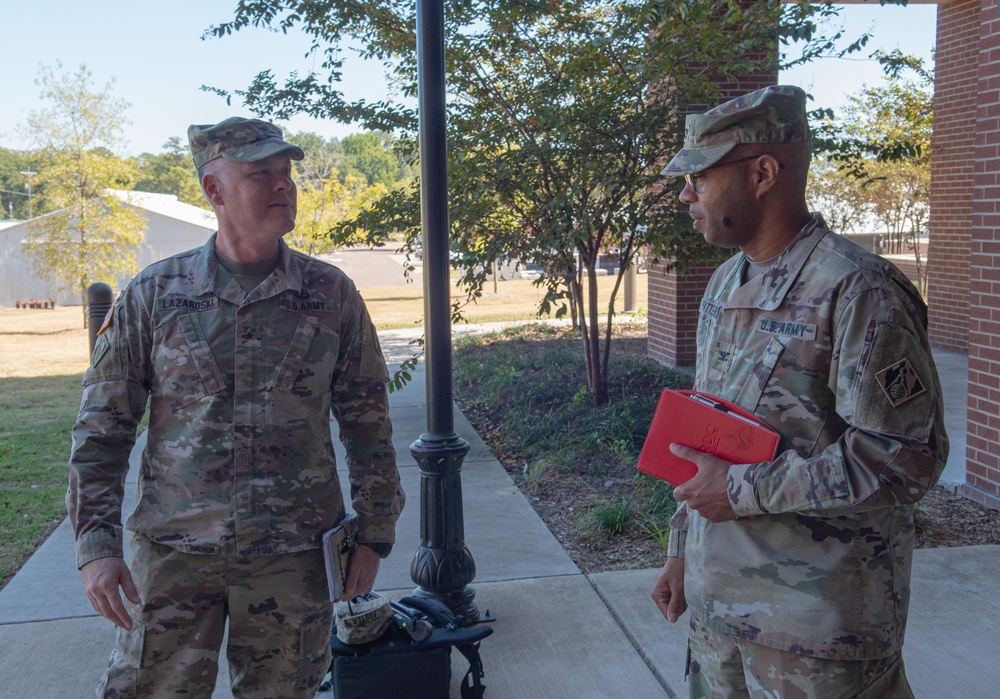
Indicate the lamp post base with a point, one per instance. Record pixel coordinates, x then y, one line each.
443 566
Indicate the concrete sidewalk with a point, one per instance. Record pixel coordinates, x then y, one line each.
559 634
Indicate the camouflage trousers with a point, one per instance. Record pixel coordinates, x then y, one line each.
279 615
721 666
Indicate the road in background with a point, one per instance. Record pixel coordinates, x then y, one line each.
372 268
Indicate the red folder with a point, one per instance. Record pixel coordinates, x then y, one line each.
706 423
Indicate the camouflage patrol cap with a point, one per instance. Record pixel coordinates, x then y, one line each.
239 139
775 114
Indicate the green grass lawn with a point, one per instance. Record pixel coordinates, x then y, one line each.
34 442
43 355
403 306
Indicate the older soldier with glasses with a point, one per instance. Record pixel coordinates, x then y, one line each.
796 571
242 348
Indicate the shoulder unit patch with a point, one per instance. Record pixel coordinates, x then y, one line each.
900 382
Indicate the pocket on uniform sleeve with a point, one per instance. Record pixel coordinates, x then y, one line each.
106 363
894 387
372 362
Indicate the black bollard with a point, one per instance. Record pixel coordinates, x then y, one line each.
99 300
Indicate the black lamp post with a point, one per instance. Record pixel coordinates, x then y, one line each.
443 566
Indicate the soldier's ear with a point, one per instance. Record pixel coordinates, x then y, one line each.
765 172
212 186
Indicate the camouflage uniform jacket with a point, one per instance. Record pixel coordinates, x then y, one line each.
239 457
829 348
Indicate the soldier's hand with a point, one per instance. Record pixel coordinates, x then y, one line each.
668 592
707 492
362 567
101 579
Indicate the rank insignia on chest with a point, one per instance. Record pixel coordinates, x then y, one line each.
900 382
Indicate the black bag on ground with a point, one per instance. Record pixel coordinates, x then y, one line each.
412 659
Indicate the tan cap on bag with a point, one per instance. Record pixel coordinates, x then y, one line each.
239 139
362 619
775 114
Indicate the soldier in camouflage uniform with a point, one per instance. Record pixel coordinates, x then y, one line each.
797 571
242 349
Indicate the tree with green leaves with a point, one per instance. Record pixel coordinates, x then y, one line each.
20 189
171 172
838 196
324 157
333 189
367 154
562 114
881 159
87 233
323 205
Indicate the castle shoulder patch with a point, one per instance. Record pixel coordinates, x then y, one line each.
900 382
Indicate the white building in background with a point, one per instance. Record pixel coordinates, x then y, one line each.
171 227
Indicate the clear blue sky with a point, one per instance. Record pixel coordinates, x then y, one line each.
154 51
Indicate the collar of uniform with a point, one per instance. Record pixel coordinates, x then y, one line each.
777 281
738 294
287 276
208 267
288 271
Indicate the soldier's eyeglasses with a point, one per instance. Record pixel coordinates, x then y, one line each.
694 179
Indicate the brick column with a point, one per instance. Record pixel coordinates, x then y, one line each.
674 298
953 139
983 451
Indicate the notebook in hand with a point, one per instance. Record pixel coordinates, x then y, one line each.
338 543
706 423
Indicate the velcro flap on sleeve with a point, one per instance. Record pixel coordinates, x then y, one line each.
894 389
